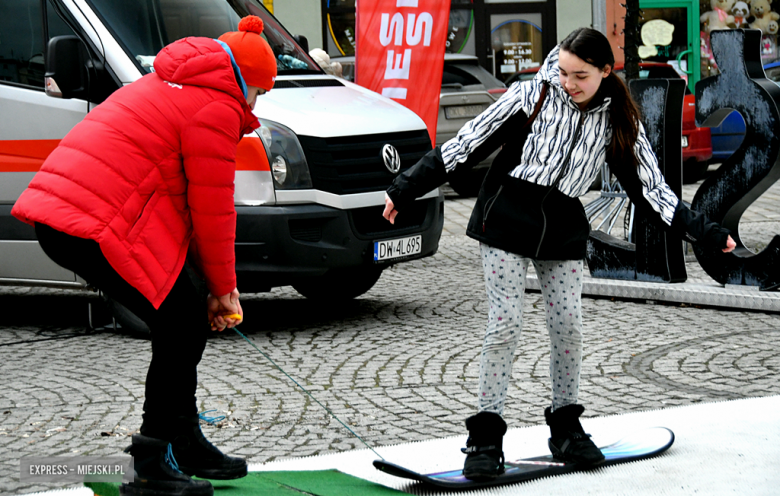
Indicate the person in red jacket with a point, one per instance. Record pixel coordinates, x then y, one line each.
144 180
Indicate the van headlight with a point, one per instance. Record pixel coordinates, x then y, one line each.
279 169
285 155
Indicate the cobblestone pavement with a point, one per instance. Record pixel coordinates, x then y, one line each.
398 364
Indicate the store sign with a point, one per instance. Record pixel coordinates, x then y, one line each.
517 56
400 52
727 193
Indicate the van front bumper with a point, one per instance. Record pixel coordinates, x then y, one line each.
279 245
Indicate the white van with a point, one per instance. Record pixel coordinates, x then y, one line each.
309 183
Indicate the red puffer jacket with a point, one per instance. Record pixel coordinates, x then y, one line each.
150 171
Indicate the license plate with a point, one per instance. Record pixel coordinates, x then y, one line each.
684 141
463 111
397 248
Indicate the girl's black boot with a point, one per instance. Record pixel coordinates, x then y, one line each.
484 447
157 473
568 441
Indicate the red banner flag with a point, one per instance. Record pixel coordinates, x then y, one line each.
400 52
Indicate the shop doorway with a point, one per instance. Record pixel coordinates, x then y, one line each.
514 36
669 33
515 43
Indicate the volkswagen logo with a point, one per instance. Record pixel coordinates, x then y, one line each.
391 159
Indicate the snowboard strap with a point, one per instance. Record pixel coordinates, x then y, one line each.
477 449
574 435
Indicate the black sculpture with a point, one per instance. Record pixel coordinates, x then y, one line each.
753 168
655 256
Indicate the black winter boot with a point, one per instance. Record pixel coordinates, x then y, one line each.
484 447
198 457
568 440
195 454
157 474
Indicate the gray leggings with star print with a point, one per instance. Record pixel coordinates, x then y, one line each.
561 284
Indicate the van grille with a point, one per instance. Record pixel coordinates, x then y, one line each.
368 221
354 164
306 83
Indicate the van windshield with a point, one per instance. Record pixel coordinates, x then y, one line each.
144 27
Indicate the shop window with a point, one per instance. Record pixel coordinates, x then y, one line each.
517 45
758 14
664 35
340 20
340 16
461 27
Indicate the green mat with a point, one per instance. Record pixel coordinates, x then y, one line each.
317 483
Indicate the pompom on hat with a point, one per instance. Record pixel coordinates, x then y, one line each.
252 53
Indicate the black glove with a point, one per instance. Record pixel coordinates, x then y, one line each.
424 176
696 228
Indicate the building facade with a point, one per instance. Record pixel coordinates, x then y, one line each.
510 35
677 32
506 35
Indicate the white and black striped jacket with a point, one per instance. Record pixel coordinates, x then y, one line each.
553 134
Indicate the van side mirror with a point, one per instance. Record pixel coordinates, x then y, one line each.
66 68
302 41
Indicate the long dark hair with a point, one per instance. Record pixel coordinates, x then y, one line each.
594 48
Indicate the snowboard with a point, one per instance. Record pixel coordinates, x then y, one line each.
637 446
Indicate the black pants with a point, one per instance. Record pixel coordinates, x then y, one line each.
179 327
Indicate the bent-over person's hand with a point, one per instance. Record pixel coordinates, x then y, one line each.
390 211
730 245
224 310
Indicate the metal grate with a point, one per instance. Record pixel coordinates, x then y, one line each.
306 230
354 164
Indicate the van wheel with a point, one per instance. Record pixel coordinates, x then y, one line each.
129 321
468 183
339 284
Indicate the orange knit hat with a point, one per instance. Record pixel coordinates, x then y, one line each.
252 53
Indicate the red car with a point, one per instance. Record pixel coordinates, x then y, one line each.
696 141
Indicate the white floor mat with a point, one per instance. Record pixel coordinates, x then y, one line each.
720 448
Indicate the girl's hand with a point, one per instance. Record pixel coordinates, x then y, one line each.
224 311
390 211
730 245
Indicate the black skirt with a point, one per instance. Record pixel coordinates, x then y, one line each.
534 221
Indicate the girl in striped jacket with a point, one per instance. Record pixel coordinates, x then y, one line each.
528 212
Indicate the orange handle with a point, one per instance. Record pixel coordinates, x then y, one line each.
233 316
